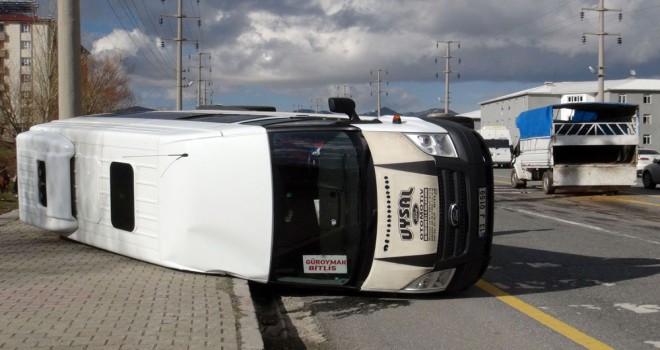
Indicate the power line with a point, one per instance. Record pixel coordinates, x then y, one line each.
139 33
128 32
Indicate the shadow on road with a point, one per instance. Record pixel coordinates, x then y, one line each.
528 271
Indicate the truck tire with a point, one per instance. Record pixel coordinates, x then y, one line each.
647 180
547 183
516 182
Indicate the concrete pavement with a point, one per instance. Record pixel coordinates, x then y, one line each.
59 294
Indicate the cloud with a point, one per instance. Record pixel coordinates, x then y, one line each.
308 47
117 42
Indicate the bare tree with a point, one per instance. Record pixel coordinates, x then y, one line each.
105 84
10 111
30 97
44 94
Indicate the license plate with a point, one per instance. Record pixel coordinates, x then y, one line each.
483 211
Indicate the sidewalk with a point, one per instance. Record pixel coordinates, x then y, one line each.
59 294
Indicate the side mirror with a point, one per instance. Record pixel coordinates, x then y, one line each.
343 105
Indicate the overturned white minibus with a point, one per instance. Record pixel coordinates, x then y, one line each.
375 204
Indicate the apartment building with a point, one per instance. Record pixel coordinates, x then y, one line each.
26 60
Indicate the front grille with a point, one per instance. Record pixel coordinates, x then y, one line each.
452 240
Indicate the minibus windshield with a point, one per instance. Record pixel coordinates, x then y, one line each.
317 195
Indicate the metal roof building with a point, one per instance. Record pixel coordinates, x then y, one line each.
643 92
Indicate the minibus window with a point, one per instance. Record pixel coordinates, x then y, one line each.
122 196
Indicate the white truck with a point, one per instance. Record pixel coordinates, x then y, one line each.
394 203
498 141
577 147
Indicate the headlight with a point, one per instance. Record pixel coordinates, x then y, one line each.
435 281
435 144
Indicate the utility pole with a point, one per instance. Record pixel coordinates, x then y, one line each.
316 103
347 90
378 81
68 62
600 97
448 58
179 51
201 81
206 93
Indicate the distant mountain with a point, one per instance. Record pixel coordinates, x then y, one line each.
432 111
436 112
389 111
383 111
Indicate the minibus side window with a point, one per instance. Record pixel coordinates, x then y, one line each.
122 196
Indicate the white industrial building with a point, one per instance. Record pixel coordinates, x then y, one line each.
643 92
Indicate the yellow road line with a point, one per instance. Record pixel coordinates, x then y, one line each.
545 319
615 198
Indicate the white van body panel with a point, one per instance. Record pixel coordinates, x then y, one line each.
189 191
55 152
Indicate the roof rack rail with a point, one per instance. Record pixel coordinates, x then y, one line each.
239 108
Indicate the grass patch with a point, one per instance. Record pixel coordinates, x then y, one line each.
7 202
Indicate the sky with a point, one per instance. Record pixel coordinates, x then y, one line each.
296 53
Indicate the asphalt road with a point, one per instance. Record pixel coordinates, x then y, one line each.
568 272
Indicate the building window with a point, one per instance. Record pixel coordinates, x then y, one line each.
26 78
647 99
622 98
26 61
2 27
25 28
122 196
26 45
647 119
646 139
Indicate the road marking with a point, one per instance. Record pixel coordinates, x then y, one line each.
543 318
596 228
639 309
654 343
620 199
587 306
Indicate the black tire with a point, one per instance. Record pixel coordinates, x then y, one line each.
647 180
516 182
547 183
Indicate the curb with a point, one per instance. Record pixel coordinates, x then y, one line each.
250 336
